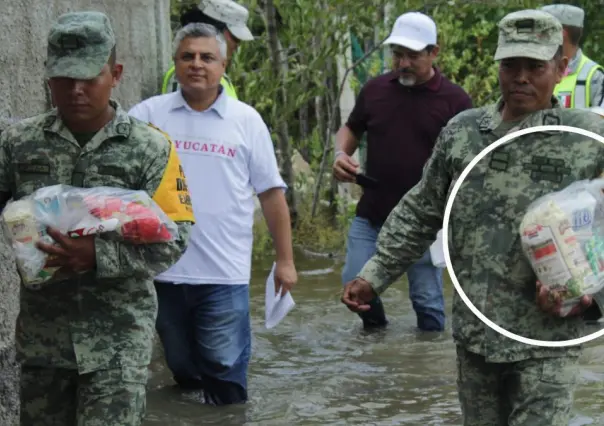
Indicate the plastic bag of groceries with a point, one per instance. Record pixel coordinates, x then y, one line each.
131 214
562 235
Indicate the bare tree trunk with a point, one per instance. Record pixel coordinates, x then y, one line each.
304 148
319 101
327 148
282 131
332 115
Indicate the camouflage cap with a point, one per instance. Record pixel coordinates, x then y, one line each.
233 15
79 45
567 14
529 34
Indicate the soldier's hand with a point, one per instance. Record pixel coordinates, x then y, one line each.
345 168
550 302
71 255
357 294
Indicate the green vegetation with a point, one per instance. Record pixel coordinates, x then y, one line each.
319 235
312 35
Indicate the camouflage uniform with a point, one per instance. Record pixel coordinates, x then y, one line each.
500 381
85 343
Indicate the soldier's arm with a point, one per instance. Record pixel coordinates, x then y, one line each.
597 89
5 171
413 224
596 310
163 180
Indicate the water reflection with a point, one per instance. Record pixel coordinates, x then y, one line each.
318 367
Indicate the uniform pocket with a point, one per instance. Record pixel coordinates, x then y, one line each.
113 397
560 371
30 177
107 175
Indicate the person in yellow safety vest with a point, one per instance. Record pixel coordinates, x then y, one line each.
228 17
583 84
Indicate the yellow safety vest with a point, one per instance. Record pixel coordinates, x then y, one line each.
574 89
171 85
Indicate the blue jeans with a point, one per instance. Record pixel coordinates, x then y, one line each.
425 280
205 331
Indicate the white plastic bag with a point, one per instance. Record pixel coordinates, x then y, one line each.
77 212
562 235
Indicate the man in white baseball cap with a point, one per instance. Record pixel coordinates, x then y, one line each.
413 36
414 100
583 84
229 18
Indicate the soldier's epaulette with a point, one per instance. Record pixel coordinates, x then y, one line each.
153 126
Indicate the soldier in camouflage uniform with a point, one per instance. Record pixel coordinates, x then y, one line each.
500 381
85 342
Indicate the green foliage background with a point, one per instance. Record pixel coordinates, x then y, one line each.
467 36
315 33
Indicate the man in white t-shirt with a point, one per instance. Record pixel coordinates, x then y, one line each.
227 154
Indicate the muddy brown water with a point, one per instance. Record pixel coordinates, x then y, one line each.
318 367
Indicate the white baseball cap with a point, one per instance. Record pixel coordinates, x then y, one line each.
413 30
233 15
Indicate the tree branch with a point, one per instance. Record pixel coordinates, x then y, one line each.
328 146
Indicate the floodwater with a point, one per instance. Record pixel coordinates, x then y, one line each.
318 367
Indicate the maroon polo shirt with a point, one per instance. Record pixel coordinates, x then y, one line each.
401 124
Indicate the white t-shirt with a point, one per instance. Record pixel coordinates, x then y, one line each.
227 154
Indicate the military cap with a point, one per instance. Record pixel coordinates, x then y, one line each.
79 45
530 34
233 15
565 13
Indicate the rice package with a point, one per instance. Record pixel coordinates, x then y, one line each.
562 235
132 215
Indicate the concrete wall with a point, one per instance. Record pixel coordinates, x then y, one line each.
143 35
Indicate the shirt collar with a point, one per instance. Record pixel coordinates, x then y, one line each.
219 106
573 62
491 118
119 127
432 85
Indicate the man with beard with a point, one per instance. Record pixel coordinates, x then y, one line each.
500 381
401 113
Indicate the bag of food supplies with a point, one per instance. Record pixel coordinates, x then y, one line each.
132 215
562 235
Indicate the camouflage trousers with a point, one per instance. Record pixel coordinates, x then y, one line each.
533 392
55 397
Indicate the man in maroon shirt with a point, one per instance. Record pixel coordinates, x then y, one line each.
402 113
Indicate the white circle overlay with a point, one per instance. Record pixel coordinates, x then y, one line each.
445 235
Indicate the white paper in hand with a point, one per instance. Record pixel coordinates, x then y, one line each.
436 251
276 306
